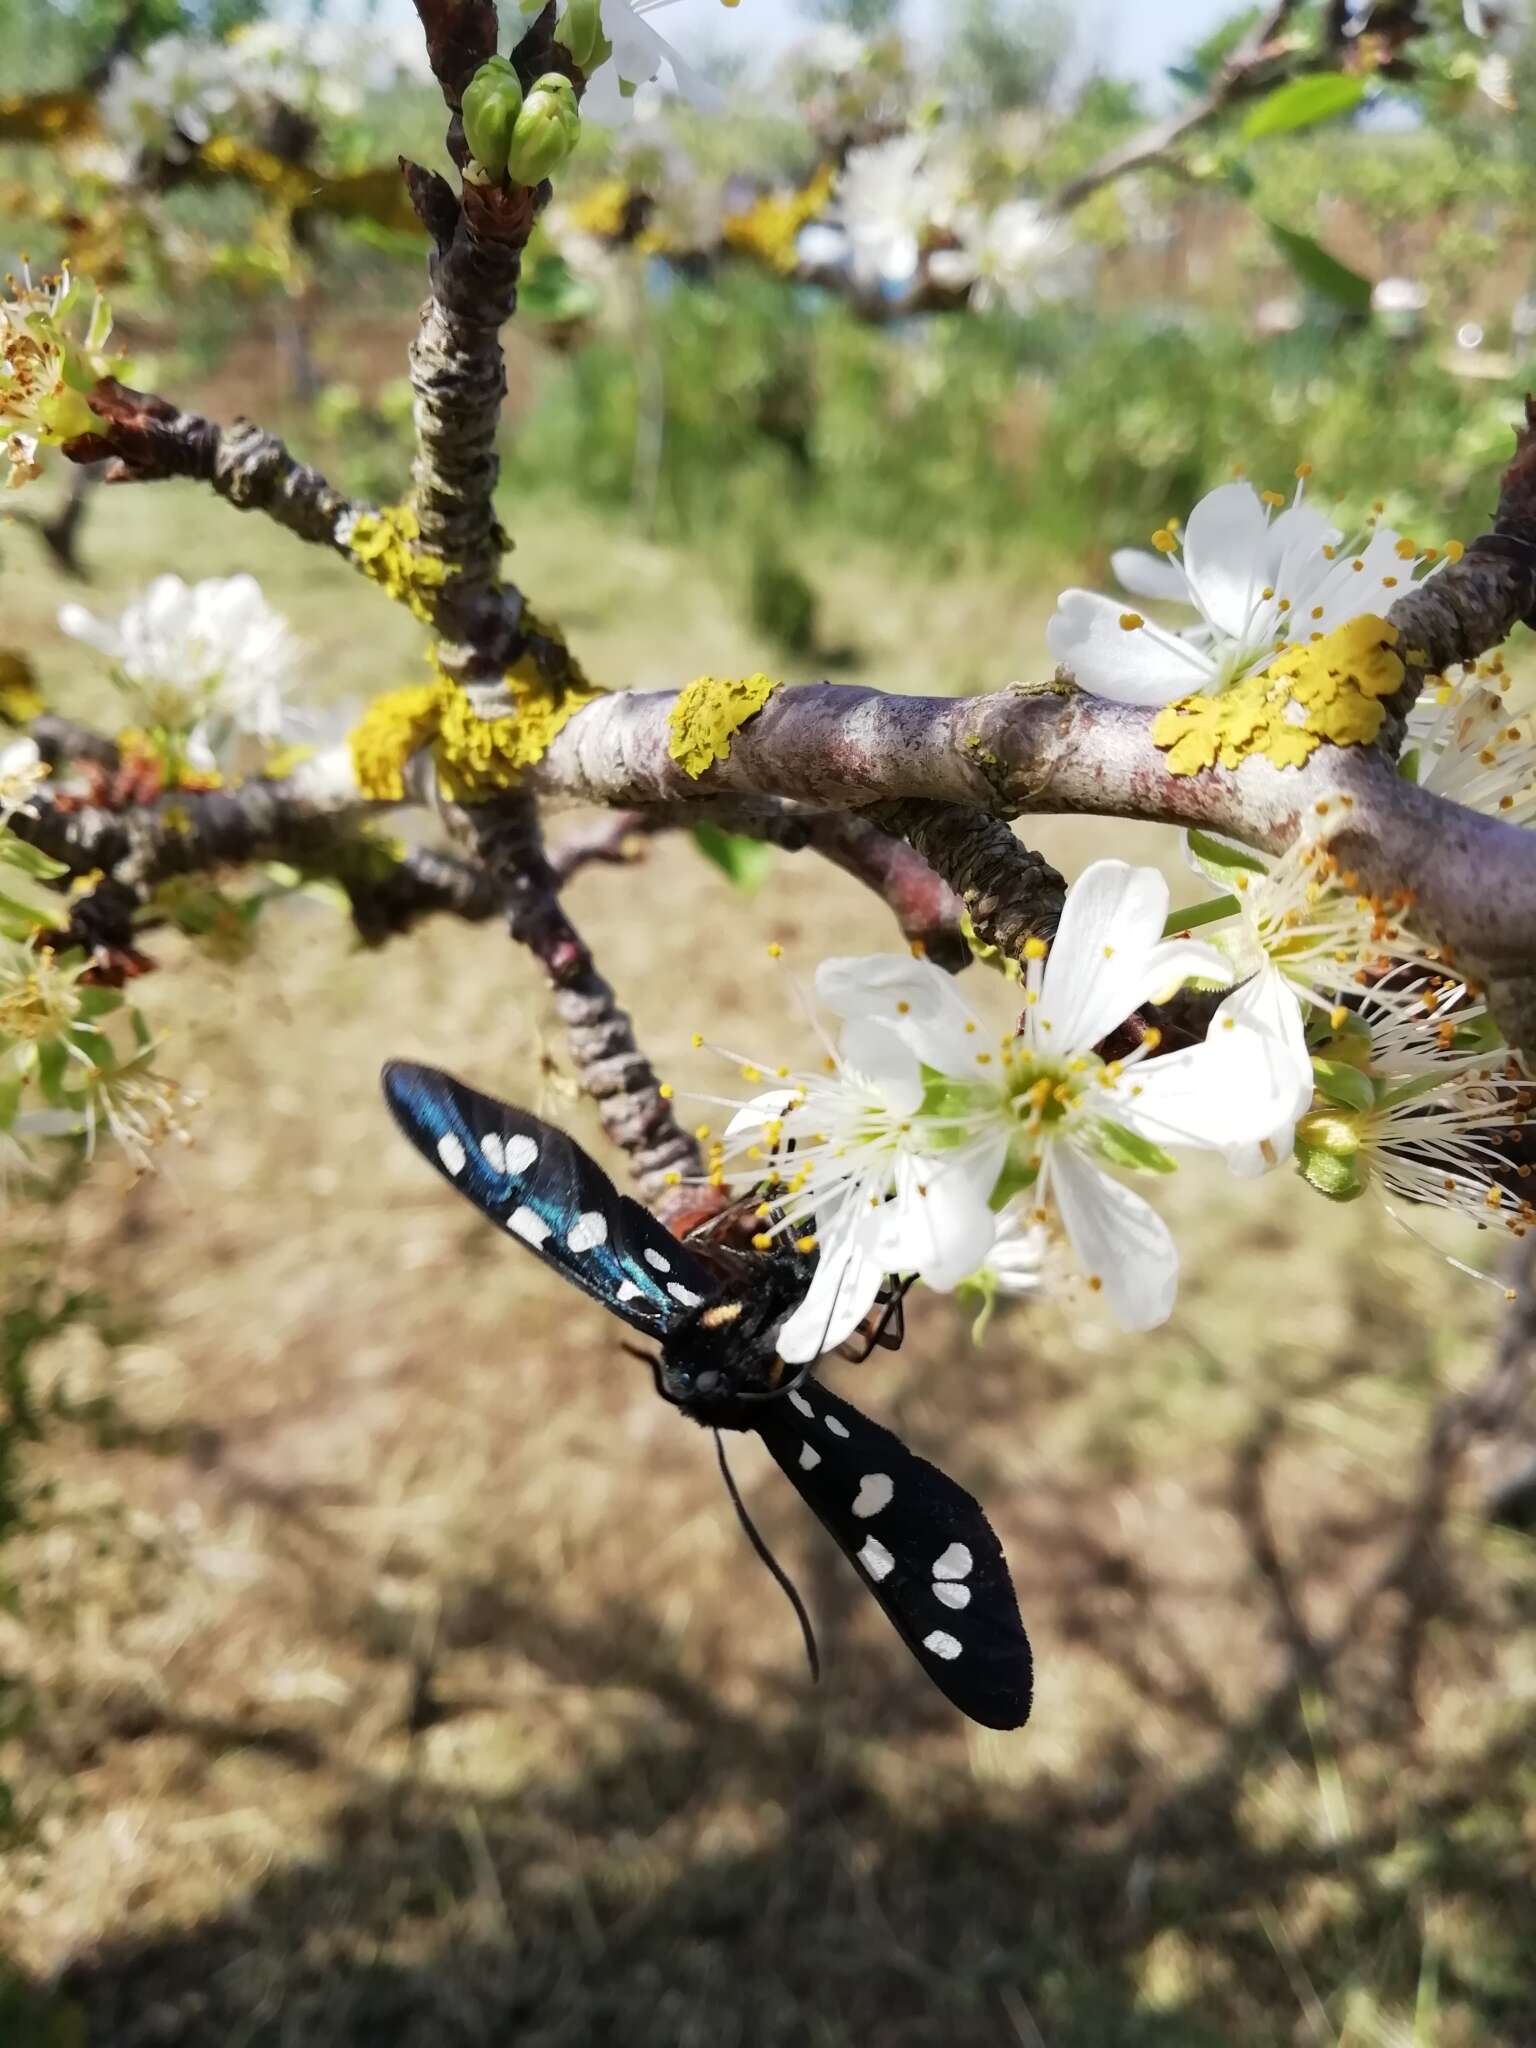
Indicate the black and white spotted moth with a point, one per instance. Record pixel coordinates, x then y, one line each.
920 1543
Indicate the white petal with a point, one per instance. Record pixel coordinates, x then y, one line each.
1226 556
913 999
1144 664
1269 1005
842 1290
1017 1258
761 1110
942 1235
1144 574
1235 1089
79 624
1110 956
883 1065
1118 1239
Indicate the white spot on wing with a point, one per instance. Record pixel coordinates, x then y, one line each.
655 1259
588 1231
683 1294
876 1560
802 1406
520 1153
527 1224
490 1145
941 1645
628 1291
810 1458
451 1152
875 1490
835 1426
950 1595
956 1563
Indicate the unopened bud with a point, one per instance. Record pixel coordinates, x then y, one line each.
547 130
492 102
581 31
1328 1152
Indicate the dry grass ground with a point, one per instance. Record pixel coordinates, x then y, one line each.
398 1675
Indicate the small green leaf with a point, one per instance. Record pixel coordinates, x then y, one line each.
1302 103
1221 855
11 1086
1214 912
748 862
52 1064
1017 1175
1122 1147
22 920
1319 271
29 860
1343 1085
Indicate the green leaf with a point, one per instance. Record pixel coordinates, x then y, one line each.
1224 858
1219 908
1302 103
1343 1085
1122 1147
11 1086
748 862
52 1065
21 920
29 860
1319 271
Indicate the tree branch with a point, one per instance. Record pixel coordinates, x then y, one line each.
1238 75
1010 894
609 1064
146 439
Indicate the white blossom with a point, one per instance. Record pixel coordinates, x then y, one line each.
892 196
22 773
639 57
210 663
1259 576
1016 254
1472 748
926 1116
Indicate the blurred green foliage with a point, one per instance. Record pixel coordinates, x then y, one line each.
1069 433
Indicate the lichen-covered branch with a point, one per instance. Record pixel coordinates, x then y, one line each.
458 370
187 832
609 1064
146 439
1011 894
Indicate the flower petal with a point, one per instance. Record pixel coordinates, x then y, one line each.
916 1001
848 1276
1018 1255
1119 1240
1226 556
760 1111
1268 1005
102 634
939 1225
1110 956
1236 1089
882 1064
1144 574
1144 664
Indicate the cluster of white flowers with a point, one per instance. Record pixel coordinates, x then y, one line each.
206 669
181 90
907 210
935 1146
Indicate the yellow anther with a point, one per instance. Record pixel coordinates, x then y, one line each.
762 1242
1164 541
1035 949
665 1091
1303 471
1274 499
775 952
1131 621
805 1244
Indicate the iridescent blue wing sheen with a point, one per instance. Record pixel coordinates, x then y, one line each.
541 1188
921 1544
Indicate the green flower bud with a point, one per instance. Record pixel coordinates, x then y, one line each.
493 100
1328 1151
581 31
547 130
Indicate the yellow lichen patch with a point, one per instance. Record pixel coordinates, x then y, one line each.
707 716
383 545
769 228
1328 691
604 211
20 698
394 727
476 758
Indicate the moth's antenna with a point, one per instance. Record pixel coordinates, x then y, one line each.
786 1584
